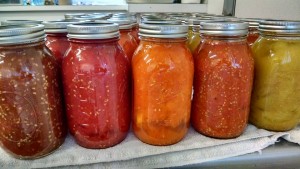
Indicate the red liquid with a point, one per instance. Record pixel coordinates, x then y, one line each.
128 43
96 88
58 44
222 87
31 113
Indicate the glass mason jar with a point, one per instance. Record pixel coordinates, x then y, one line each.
31 113
96 85
57 40
135 32
253 33
193 34
223 80
276 93
18 22
194 38
162 84
127 40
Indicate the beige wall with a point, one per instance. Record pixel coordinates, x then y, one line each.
273 9
215 6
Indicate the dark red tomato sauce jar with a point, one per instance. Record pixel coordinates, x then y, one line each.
31 113
96 85
223 80
57 40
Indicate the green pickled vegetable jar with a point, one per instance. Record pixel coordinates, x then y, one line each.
193 35
275 101
194 38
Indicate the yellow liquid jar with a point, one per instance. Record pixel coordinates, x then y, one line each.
194 38
275 103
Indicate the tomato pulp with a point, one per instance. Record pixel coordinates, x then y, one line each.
96 88
222 87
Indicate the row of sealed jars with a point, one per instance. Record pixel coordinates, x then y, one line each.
95 73
96 81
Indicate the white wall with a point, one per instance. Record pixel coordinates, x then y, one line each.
215 6
272 9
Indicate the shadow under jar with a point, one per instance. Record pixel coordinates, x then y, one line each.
276 90
223 80
96 85
163 72
31 114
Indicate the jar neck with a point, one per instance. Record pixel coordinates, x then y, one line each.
279 36
57 34
125 30
94 41
224 38
164 40
23 45
253 29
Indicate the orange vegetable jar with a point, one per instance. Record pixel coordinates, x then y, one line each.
127 40
223 80
163 71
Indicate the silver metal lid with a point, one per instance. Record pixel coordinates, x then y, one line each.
90 17
279 27
162 21
198 14
19 34
125 23
163 30
121 15
73 15
93 30
253 22
197 21
18 22
225 18
58 26
224 28
100 15
209 15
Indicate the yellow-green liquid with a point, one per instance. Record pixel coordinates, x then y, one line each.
275 103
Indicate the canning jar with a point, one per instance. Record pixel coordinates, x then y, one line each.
253 33
193 34
57 40
194 38
127 40
31 114
96 85
276 93
162 84
223 80
135 32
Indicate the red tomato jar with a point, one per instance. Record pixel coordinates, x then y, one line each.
253 33
31 113
223 80
127 40
57 40
96 85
